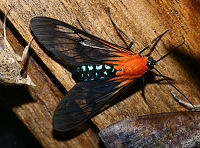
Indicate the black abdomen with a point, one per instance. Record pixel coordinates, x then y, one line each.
93 72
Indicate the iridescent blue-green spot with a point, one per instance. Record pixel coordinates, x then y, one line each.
99 67
90 67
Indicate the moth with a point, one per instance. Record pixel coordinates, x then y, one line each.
101 69
11 71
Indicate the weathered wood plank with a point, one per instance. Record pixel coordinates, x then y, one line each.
142 20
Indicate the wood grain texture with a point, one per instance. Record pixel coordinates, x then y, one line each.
142 20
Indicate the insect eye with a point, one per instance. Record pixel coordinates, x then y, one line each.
23 74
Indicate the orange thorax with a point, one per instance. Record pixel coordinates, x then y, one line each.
130 67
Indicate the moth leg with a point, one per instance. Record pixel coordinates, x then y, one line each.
119 31
24 56
143 95
153 43
82 26
183 103
166 77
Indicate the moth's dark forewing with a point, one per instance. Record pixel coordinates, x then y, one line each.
82 102
64 41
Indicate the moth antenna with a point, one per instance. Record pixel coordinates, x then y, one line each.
175 87
167 79
170 51
153 43
185 104
163 56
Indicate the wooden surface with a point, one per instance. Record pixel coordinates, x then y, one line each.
142 20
